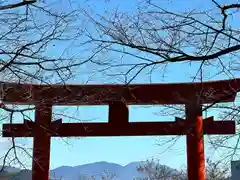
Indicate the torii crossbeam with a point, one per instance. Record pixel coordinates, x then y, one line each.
118 97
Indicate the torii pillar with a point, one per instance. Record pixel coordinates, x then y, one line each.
41 142
195 142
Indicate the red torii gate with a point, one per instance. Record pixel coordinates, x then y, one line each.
193 95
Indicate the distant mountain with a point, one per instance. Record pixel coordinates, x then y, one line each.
10 169
22 175
16 174
97 169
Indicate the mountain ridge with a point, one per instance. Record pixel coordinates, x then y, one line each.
96 169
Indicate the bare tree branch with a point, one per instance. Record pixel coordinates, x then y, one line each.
23 3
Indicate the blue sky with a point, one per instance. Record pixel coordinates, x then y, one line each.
122 150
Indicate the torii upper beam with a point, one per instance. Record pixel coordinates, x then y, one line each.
175 93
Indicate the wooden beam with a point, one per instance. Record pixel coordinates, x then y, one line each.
110 129
177 93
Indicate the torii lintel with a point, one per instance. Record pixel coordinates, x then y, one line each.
133 94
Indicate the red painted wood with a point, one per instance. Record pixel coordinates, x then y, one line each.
41 143
126 129
178 93
182 93
118 113
2 105
195 143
